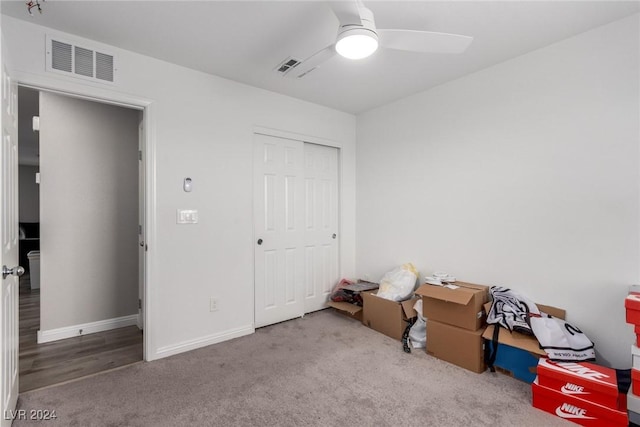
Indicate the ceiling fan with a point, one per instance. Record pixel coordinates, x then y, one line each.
358 38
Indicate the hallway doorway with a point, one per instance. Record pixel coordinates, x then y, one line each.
78 315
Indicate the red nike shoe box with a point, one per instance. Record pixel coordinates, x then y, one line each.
635 381
637 331
587 381
632 305
577 410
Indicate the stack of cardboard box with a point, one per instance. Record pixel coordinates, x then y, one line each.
455 322
632 307
584 393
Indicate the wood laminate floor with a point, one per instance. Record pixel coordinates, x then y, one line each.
55 362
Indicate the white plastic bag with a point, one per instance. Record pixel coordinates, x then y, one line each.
399 283
418 332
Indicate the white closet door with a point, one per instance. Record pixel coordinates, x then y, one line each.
321 247
279 229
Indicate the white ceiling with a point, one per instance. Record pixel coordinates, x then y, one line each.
245 40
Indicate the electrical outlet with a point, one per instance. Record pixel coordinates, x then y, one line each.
367 277
213 304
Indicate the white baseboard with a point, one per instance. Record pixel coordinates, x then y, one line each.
86 328
170 350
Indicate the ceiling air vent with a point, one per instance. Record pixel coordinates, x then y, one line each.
286 65
73 60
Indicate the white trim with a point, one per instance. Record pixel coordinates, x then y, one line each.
85 90
262 130
193 344
149 350
86 328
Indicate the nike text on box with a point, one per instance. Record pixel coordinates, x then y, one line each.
576 410
587 381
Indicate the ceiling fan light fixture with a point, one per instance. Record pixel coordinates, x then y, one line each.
357 43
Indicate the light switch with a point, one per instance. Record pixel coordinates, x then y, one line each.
187 216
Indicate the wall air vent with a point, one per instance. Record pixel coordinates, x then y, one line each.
68 58
61 54
286 65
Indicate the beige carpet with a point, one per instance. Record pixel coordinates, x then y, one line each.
321 370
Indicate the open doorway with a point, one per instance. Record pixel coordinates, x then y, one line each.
79 198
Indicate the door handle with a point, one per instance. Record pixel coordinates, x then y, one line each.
334 235
15 271
259 241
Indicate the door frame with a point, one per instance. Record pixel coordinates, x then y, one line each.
105 95
279 133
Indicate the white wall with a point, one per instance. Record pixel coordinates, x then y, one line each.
203 129
523 175
29 205
89 211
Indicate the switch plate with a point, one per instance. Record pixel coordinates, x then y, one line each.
187 216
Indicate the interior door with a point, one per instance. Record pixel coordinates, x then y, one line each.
9 252
279 229
321 248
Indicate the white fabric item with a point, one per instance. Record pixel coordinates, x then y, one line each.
560 340
510 310
418 332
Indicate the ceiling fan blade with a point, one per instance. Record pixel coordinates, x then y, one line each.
347 11
312 62
423 41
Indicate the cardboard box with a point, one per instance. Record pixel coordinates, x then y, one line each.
459 346
632 306
637 331
518 354
577 410
459 304
350 310
514 362
386 316
587 381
